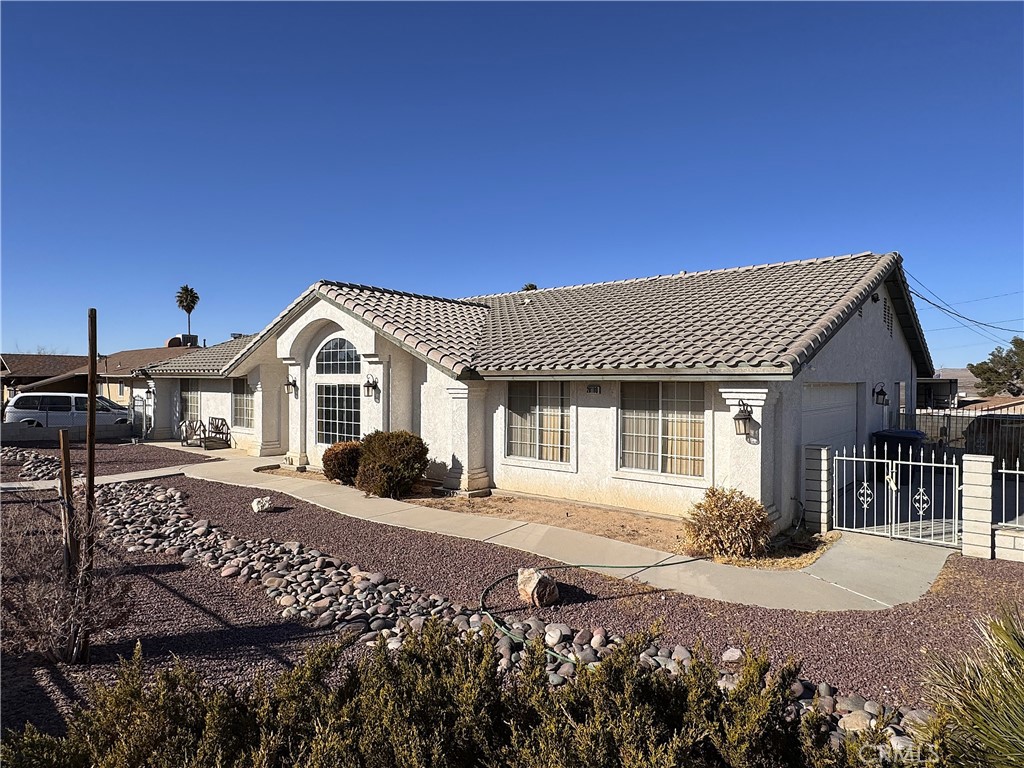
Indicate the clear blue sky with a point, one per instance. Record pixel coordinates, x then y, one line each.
458 149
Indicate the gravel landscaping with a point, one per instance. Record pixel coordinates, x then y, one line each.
111 459
327 569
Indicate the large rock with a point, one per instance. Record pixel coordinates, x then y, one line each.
537 588
262 504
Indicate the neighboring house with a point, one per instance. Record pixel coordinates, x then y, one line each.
18 370
967 382
218 382
620 393
118 377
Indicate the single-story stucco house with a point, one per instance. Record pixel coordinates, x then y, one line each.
623 393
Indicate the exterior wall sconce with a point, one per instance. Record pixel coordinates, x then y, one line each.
370 386
290 385
744 419
878 392
149 393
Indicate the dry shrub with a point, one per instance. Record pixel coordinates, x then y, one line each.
43 611
341 461
728 523
391 462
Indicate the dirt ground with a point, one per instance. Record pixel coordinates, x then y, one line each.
644 530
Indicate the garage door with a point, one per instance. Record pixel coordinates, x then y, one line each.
830 415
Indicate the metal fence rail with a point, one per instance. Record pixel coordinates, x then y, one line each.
1010 509
909 494
994 431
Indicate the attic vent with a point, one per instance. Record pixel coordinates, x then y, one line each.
887 315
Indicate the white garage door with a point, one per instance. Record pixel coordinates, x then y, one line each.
830 415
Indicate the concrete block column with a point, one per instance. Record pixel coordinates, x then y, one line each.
977 506
817 487
468 473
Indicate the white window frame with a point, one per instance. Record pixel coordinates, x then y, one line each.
660 474
343 390
343 356
565 412
191 389
246 401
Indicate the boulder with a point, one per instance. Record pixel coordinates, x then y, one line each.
262 504
537 588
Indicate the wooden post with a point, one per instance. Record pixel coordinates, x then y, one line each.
69 528
90 488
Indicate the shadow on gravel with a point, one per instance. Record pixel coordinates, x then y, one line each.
243 643
23 699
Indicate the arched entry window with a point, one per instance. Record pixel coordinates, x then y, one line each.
337 356
337 400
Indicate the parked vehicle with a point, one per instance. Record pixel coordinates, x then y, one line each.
61 409
997 434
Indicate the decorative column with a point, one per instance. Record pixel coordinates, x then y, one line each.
977 506
817 487
468 473
296 455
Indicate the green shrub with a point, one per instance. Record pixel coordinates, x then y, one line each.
727 523
983 695
436 702
391 463
341 461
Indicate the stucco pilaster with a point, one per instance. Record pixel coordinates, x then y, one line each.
468 470
296 454
745 462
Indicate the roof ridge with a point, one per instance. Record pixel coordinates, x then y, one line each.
678 274
395 292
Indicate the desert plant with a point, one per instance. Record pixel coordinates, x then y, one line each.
341 461
44 609
983 695
390 463
727 523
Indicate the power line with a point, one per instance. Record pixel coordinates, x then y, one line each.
983 333
955 327
986 298
953 313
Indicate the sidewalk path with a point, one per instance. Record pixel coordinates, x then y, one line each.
859 572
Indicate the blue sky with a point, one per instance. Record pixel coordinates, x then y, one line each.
458 149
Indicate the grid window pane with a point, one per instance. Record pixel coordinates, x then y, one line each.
337 356
190 400
241 404
538 420
662 427
337 413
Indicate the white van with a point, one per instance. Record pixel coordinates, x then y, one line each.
61 409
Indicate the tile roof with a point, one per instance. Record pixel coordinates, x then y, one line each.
40 366
769 318
117 365
443 330
202 360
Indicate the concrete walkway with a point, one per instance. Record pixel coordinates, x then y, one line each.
859 572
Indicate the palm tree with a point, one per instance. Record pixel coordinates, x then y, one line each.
187 299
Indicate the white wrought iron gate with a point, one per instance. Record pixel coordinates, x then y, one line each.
914 494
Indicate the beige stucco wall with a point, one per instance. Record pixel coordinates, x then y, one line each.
861 353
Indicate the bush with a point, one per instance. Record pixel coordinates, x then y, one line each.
983 695
436 702
391 463
728 523
341 461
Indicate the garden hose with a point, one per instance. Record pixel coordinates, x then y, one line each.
500 625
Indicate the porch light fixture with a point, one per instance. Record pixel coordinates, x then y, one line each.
744 419
370 385
878 392
290 385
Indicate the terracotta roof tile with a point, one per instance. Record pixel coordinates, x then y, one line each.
203 360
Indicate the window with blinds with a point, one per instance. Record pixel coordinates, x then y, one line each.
538 420
241 404
661 427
